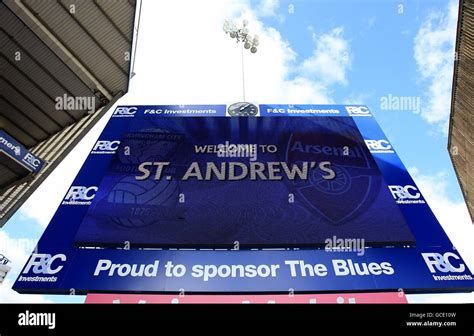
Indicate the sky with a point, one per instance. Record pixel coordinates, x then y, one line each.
326 51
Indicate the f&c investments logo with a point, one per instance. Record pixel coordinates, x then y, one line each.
442 266
406 194
124 112
80 195
44 268
105 147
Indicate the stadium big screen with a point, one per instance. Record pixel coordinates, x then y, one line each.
186 197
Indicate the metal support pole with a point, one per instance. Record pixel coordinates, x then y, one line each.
243 70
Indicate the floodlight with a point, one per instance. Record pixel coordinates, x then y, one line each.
242 35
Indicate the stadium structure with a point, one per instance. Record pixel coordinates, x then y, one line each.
56 56
461 132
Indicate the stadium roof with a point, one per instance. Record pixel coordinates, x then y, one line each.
461 132
52 51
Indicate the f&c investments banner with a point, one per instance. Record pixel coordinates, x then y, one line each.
310 198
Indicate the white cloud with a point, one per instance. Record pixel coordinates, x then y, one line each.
330 59
434 55
8 295
455 220
17 250
196 62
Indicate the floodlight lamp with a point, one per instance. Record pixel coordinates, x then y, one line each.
253 50
247 45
